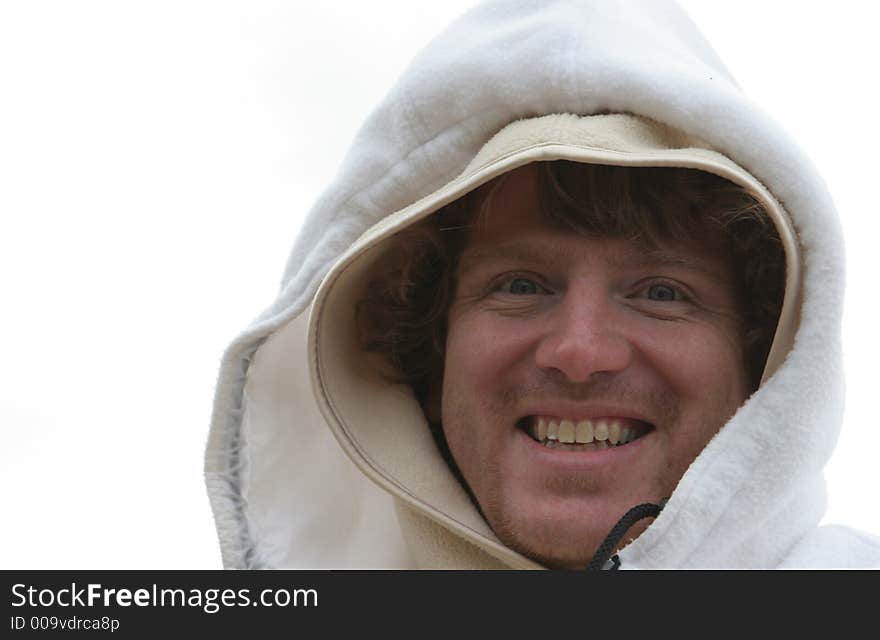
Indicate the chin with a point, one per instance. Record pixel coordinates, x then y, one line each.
553 558
559 541
555 544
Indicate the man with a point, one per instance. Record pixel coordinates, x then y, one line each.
548 311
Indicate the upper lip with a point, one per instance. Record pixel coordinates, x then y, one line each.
589 411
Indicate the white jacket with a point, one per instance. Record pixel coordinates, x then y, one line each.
315 461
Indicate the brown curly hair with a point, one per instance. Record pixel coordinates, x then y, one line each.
403 314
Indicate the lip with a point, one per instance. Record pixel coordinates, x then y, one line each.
586 412
611 460
564 462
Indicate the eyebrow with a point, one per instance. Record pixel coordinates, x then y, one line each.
526 252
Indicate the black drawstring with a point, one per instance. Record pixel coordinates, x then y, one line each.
601 558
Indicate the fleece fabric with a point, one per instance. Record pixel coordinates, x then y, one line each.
315 460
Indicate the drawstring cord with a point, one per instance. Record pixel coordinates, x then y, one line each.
603 559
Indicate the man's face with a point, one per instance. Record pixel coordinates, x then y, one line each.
578 336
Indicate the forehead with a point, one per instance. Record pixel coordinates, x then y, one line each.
509 224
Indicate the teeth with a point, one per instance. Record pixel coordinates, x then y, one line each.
566 431
600 432
584 432
584 435
614 433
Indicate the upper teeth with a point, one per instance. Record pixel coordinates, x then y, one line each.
581 432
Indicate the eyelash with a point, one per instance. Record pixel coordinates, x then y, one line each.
506 280
681 293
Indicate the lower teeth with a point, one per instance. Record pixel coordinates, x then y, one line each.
563 446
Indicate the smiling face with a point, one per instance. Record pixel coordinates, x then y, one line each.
582 374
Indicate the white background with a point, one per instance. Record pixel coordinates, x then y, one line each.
156 159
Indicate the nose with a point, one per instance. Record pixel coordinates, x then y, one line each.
584 336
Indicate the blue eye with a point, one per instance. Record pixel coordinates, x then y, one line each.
662 293
522 287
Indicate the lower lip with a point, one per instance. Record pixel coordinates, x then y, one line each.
579 460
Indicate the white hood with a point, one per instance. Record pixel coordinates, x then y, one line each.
314 461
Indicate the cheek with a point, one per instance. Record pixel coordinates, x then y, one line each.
704 364
466 363
466 351
480 349
481 354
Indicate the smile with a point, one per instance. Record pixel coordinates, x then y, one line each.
583 435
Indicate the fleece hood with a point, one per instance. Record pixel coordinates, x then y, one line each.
316 460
